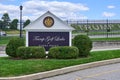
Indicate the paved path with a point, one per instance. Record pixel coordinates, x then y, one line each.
3 55
107 72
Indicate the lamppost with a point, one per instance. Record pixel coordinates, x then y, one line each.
21 7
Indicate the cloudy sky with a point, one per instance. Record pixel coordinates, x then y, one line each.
64 9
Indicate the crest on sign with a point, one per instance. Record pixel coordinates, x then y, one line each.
48 21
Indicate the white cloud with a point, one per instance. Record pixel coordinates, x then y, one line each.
110 7
61 9
108 14
12 10
8 8
32 9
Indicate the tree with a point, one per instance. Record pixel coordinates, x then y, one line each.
6 20
1 25
26 23
14 24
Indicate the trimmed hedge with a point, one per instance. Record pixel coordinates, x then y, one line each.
84 44
14 43
31 52
63 52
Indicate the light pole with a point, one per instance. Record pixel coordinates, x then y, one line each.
21 7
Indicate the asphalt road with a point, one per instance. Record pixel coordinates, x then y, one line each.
100 36
73 35
107 72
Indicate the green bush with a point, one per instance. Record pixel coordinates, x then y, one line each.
84 44
12 46
31 52
63 52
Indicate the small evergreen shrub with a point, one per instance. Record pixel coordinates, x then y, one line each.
31 52
84 44
12 46
63 52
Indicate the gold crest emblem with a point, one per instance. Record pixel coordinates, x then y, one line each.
48 21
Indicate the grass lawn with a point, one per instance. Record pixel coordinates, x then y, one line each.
11 67
14 32
4 40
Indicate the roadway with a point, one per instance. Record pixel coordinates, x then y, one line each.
107 72
91 36
100 36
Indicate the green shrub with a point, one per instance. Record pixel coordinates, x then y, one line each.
84 44
63 52
31 52
12 46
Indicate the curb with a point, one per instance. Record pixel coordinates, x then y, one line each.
46 74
